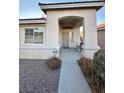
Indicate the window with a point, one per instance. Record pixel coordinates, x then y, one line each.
29 36
34 36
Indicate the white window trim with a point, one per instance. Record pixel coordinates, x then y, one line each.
35 44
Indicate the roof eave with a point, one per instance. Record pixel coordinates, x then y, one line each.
96 5
32 21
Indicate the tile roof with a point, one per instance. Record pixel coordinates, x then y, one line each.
84 1
32 21
97 4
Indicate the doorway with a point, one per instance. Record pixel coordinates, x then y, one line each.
65 39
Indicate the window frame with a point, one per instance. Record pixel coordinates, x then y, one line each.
29 34
34 35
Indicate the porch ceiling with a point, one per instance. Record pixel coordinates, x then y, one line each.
70 21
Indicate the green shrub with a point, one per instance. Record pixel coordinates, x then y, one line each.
54 63
99 63
98 69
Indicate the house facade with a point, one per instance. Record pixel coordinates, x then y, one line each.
42 38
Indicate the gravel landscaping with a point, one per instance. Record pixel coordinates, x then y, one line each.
36 77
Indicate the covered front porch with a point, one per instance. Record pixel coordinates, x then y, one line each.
70 31
74 32
68 24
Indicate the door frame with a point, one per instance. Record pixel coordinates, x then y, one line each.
63 39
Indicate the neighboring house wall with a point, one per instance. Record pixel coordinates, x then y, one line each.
101 35
101 38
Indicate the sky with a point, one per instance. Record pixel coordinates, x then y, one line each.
30 9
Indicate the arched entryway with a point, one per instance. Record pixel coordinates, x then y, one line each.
71 31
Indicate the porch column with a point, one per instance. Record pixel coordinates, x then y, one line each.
52 32
52 36
90 36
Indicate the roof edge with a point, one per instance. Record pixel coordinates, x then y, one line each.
92 1
32 19
101 26
68 5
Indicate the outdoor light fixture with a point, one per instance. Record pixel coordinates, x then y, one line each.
55 52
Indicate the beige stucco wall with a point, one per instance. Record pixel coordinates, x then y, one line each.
60 37
34 51
53 36
90 35
22 35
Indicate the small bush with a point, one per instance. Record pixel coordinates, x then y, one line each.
85 65
54 63
99 63
99 70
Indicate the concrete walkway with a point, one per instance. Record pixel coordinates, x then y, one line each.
71 78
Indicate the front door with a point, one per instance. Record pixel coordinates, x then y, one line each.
65 39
